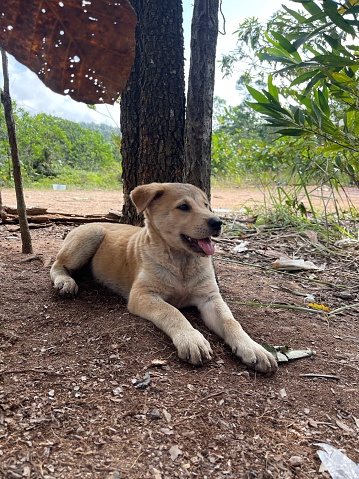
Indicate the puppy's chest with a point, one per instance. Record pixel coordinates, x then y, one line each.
181 287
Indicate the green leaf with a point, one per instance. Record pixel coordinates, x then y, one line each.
343 81
294 14
304 100
333 60
317 113
261 108
311 7
292 132
257 95
333 42
304 77
275 58
351 10
352 121
286 45
298 115
307 36
330 9
323 102
319 76
273 90
328 127
332 147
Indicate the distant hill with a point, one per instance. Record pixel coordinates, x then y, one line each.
106 130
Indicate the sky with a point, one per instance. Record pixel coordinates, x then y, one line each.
31 94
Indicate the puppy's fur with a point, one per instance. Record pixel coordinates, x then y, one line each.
162 267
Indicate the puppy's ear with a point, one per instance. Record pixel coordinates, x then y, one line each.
143 195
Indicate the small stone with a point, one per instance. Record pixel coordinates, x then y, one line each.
114 475
296 461
117 391
155 414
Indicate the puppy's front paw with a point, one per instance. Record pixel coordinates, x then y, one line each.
192 347
66 287
255 356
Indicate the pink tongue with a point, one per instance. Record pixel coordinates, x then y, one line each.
207 245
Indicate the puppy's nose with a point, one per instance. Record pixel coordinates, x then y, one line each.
215 223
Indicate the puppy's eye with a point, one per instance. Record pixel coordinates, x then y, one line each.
184 207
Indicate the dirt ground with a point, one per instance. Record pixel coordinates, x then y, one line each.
234 198
69 403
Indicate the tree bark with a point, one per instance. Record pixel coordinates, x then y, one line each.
11 129
130 130
153 148
204 32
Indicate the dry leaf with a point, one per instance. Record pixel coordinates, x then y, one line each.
295 265
283 393
343 426
167 415
175 451
156 473
312 235
83 49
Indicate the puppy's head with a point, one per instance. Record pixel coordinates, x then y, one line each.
180 214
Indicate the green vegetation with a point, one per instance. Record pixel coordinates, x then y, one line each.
312 110
53 150
301 81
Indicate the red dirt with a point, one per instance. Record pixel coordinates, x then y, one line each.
69 407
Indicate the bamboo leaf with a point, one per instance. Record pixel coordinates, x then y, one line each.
323 102
292 132
317 113
275 58
304 77
330 9
273 90
257 95
313 82
311 7
286 45
295 14
333 60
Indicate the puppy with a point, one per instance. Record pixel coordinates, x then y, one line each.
162 267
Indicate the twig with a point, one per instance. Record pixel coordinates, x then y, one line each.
325 376
280 306
292 275
219 393
342 308
24 371
32 258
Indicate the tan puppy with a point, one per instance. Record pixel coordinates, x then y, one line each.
162 267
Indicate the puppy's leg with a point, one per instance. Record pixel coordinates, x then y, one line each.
78 248
190 343
218 317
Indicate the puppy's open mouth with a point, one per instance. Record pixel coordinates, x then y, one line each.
203 246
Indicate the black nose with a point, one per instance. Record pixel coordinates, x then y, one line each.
215 223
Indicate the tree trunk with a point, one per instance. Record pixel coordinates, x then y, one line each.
162 117
154 147
130 130
204 32
11 130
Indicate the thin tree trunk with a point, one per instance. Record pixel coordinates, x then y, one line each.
162 119
11 130
130 131
204 32
153 103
